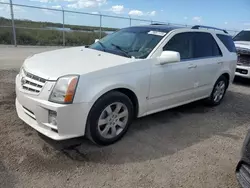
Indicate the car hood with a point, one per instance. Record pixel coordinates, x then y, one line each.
242 44
76 60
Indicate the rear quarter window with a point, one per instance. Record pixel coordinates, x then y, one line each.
227 41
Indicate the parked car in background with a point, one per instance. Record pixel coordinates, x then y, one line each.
243 167
98 91
242 43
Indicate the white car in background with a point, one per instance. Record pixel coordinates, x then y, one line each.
98 91
242 43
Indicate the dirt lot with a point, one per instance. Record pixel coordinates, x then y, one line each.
189 146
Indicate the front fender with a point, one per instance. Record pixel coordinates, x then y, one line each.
89 91
100 89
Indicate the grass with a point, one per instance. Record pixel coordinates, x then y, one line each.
37 33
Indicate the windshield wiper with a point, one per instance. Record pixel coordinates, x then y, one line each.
121 50
102 45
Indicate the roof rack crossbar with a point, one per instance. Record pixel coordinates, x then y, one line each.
208 27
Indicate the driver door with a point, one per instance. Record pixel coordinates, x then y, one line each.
173 84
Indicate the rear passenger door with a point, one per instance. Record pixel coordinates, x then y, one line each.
208 58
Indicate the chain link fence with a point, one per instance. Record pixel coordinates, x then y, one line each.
61 31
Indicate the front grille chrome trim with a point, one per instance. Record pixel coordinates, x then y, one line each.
32 83
243 60
243 51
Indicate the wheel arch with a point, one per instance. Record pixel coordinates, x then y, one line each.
227 76
132 96
128 91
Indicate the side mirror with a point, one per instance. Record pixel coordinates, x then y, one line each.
96 40
169 57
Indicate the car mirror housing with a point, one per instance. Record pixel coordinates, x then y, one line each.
168 57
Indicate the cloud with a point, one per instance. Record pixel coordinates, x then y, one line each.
225 23
72 6
18 9
117 9
185 18
136 13
94 12
42 1
57 6
247 24
140 13
197 18
53 1
152 13
6 8
78 4
4 1
48 12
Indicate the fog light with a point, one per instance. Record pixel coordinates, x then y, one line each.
52 117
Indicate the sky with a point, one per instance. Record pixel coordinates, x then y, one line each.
226 14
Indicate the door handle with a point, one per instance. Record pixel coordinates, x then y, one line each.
192 66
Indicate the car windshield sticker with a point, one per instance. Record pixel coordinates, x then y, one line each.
158 33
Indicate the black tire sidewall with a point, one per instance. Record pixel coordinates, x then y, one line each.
98 107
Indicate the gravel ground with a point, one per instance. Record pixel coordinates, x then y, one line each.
189 146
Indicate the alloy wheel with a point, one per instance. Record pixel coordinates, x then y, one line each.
219 91
113 120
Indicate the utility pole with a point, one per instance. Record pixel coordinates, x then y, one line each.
13 23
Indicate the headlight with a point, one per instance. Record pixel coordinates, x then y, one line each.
64 90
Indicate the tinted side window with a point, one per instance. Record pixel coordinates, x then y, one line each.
205 46
228 42
181 43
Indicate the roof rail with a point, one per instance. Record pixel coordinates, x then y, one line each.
157 24
208 27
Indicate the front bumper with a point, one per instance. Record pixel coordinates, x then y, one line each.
71 118
243 175
242 71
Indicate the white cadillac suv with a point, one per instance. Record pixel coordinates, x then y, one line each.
97 90
242 43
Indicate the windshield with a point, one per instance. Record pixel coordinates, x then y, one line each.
135 42
242 36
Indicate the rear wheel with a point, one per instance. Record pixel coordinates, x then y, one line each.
218 92
110 118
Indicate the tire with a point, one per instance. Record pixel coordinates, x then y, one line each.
212 100
104 127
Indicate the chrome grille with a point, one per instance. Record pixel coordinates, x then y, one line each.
34 77
31 82
243 56
243 60
243 51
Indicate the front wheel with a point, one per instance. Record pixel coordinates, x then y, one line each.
218 92
110 118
